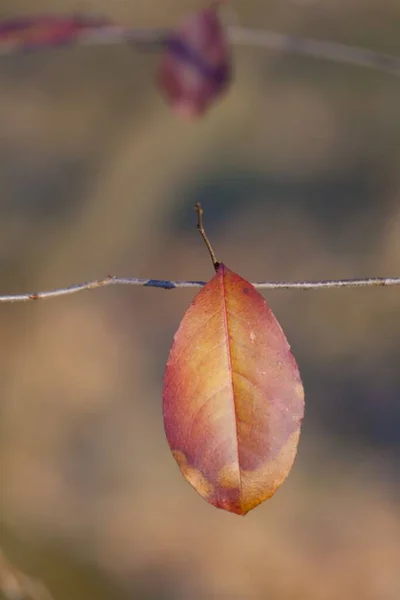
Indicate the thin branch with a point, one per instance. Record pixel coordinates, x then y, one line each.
170 285
312 48
84 31
203 234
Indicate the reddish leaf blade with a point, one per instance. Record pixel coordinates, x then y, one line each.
233 400
195 67
45 31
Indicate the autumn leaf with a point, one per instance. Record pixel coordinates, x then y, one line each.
195 67
233 400
38 32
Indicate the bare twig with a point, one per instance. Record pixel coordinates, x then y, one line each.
170 285
100 32
203 234
333 51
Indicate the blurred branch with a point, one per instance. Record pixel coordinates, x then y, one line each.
170 285
15 585
332 51
28 34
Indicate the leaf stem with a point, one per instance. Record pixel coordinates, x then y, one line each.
203 234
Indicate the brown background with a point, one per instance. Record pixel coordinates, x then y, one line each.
298 172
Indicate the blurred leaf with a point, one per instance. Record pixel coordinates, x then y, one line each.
45 31
233 397
195 67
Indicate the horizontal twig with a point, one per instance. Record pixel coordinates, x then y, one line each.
170 285
87 31
332 51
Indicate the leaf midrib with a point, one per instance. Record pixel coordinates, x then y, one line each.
229 356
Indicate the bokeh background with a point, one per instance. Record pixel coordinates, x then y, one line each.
298 172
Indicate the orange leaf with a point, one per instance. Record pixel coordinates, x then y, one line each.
233 399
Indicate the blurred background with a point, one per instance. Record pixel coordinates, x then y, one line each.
298 172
